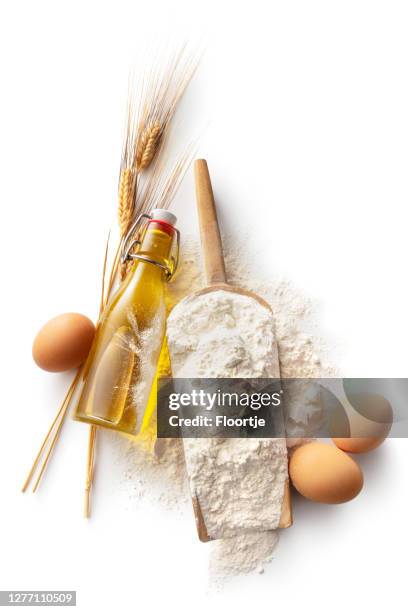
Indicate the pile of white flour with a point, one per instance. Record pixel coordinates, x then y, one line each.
239 483
222 334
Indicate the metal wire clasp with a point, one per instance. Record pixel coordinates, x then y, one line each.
137 230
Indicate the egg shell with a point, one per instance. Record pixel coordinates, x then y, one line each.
325 474
370 420
358 445
64 342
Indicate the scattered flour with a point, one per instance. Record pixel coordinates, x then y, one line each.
161 475
157 474
242 554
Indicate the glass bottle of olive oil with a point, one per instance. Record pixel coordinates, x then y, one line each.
121 366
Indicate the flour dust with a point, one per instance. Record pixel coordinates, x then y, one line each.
159 473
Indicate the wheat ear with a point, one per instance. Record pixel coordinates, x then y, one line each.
147 145
125 197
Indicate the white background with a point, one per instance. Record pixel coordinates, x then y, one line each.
301 108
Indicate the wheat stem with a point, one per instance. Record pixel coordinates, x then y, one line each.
90 468
51 437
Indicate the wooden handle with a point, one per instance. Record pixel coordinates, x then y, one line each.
209 231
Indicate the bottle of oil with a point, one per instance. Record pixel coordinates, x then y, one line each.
121 366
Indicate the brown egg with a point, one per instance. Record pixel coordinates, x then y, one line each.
370 420
64 342
325 474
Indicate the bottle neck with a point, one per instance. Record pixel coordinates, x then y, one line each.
156 244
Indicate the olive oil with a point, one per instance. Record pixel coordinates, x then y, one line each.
119 377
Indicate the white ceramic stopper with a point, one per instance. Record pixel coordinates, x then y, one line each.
163 215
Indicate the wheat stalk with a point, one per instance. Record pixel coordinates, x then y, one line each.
142 158
142 146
